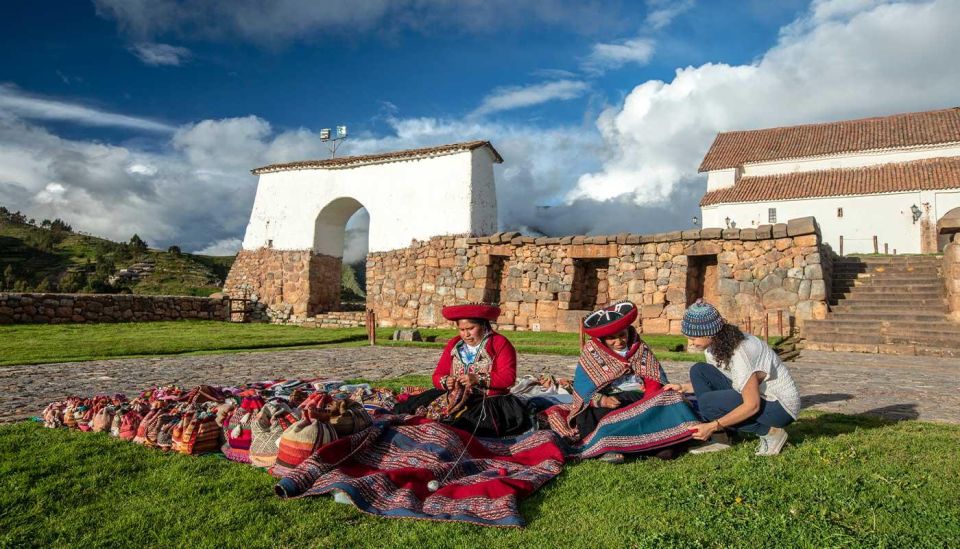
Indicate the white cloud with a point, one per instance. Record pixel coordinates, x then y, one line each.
662 12
833 63
155 54
516 97
16 103
604 57
225 246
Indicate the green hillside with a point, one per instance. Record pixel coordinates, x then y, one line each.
50 256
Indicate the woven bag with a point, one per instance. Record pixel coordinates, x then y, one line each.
349 417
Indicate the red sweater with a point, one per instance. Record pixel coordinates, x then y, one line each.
503 372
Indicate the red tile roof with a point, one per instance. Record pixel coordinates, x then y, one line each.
936 173
732 149
349 161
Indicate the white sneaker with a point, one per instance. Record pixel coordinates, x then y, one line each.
717 443
772 442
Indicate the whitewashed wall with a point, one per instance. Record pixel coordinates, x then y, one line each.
406 200
888 216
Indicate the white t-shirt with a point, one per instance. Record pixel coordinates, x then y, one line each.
753 355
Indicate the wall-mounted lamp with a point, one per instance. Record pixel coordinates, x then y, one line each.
727 221
696 221
916 212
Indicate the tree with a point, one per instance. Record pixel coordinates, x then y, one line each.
175 250
137 245
45 223
8 278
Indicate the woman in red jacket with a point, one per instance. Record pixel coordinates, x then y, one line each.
473 378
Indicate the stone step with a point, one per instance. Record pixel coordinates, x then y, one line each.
880 259
891 306
866 311
883 348
891 300
937 339
921 268
915 316
895 288
911 275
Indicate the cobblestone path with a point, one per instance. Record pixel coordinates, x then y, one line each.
890 386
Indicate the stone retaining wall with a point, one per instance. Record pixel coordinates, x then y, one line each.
951 278
336 319
551 283
64 308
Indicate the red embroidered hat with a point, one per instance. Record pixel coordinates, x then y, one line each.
472 310
610 320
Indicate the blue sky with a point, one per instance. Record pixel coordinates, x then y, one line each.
145 116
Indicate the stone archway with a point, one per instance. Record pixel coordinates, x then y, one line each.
328 248
948 227
292 250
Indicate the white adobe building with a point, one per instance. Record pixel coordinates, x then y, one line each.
888 184
409 195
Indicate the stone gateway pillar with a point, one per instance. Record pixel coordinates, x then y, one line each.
290 260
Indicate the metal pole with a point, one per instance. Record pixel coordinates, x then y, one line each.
841 245
749 327
780 321
886 247
876 247
766 326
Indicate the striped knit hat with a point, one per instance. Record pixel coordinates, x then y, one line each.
701 320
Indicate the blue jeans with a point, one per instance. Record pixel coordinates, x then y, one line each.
717 397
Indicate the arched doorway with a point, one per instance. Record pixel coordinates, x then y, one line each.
339 241
948 227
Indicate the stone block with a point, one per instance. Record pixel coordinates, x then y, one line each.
818 290
711 233
801 226
651 311
780 230
813 272
778 298
406 335
676 295
672 236
691 234
674 311
731 234
727 286
806 240
748 234
655 326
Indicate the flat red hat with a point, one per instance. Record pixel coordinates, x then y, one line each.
610 320
472 310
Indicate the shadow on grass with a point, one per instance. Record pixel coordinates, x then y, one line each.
834 424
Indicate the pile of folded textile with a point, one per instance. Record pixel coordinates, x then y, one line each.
272 424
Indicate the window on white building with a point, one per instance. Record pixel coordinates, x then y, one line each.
839 212
772 215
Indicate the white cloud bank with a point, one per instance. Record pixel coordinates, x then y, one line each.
155 54
515 97
605 57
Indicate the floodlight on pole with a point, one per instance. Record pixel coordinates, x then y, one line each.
334 142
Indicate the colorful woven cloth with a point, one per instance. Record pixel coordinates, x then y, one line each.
385 470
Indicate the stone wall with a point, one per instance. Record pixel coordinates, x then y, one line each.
288 285
64 308
551 283
951 278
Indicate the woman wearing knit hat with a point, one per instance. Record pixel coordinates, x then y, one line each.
473 378
619 405
743 385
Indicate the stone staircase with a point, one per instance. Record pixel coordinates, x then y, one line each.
886 304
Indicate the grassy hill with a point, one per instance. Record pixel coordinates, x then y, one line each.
34 258
54 258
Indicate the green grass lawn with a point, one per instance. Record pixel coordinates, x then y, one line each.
847 481
40 343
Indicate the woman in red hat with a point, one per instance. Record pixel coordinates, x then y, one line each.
619 403
473 378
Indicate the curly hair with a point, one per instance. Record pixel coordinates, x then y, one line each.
725 342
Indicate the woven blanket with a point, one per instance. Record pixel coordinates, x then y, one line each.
385 470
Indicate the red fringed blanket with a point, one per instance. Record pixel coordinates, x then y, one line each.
385 470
